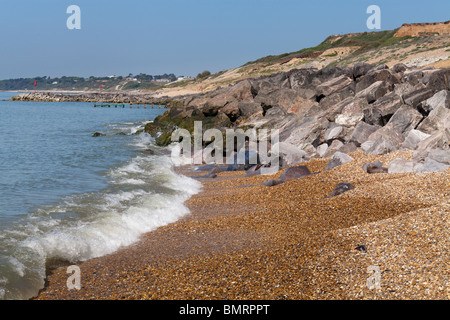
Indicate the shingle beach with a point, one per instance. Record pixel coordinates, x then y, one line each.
288 241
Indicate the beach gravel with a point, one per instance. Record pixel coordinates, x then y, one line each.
288 241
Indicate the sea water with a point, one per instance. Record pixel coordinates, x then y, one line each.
67 196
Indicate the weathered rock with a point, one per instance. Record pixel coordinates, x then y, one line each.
362 132
385 140
322 149
385 75
340 189
383 146
333 147
348 147
272 182
231 110
333 132
338 159
274 113
413 139
439 80
373 92
416 96
352 113
295 173
413 77
374 167
440 155
365 146
333 85
305 78
437 120
349 119
405 88
440 99
254 170
381 110
247 108
430 165
335 98
360 69
290 154
309 131
405 119
98 134
289 100
438 140
400 166
330 112
399 67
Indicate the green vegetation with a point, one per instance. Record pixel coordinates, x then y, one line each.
365 41
141 81
205 74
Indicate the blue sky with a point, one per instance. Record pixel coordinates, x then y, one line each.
184 37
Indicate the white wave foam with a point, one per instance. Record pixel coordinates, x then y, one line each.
116 220
132 181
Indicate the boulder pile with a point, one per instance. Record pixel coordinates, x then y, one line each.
336 110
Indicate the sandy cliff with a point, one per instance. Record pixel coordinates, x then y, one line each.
418 29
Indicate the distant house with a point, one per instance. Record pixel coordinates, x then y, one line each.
161 80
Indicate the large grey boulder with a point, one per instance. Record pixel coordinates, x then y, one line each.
374 92
333 147
381 110
383 146
322 149
438 140
248 108
296 172
333 85
400 165
437 120
439 80
309 131
417 95
399 67
430 165
440 99
290 154
352 113
405 119
338 159
440 155
413 138
388 76
385 140
362 132
360 69
334 131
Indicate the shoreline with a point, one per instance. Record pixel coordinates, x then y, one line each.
286 242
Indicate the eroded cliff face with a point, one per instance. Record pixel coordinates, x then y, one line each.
418 29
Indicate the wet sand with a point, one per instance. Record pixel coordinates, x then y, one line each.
288 241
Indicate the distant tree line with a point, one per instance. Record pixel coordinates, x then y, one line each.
141 80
